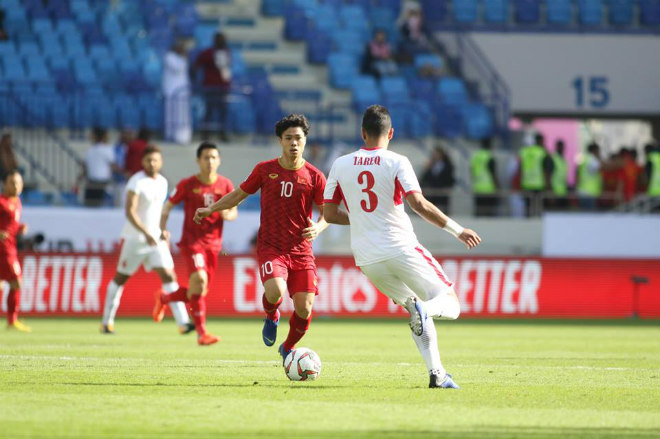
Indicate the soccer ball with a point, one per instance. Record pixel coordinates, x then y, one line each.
302 364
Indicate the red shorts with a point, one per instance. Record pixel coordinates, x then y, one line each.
10 268
206 260
299 271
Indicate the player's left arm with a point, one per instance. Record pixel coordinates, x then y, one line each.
435 216
229 201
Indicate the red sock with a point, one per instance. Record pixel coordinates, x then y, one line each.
180 295
13 305
198 311
297 328
270 308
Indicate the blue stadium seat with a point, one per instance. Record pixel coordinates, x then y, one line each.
435 11
273 8
26 49
421 120
240 115
319 46
343 69
394 90
496 11
128 111
35 197
152 111
559 12
365 92
477 121
295 25
590 12
448 121
7 48
428 59
452 91
423 89
41 25
649 12
621 12
465 11
527 11
349 41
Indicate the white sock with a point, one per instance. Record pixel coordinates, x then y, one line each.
427 344
178 308
112 298
444 306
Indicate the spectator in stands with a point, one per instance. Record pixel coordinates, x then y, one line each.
590 179
411 25
8 160
99 164
133 161
483 173
652 170
216 64
535 168
378 59
631 173
612 174
4 36
559 178
438 179
176 90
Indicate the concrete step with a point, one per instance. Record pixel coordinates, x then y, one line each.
274 57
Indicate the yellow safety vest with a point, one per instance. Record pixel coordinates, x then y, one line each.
654 180
531 168
588 183
482 179
559 174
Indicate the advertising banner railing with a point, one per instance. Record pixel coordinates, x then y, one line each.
66 284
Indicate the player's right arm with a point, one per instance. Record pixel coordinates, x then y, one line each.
131 215
435 216
229 201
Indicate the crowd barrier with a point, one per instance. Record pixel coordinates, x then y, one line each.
69 284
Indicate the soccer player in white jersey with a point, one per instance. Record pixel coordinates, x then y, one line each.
372 183
143 242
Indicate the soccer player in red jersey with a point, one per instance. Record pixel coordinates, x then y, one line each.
10 227
289 187
200 243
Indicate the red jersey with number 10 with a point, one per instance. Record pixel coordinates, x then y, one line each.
10 217
195 194
287 198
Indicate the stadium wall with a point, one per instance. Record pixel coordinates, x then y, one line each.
577 73
57 284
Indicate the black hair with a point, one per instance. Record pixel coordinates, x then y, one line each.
376 121
593 147
539 139
291 121
99 133
144 134
486 143
150 149
206 145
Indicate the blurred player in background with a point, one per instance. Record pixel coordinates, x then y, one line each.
200 243
10 227
289 188
142 240
373 182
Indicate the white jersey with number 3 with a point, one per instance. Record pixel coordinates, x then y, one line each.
372 183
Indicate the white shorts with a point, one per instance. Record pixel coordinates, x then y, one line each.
135 253
415 272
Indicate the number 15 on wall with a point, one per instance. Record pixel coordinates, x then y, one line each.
594 88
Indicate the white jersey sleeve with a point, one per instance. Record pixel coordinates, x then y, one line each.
373 183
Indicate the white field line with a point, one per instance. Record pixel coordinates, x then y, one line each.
270 362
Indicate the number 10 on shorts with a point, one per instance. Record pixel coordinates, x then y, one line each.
266 268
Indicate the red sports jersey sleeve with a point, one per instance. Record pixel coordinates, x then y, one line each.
287 200
253 182
10 217
195 194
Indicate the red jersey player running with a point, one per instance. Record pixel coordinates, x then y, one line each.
289 186
200 243
10 226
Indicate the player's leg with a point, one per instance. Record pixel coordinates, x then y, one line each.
14 304
198 287
178 308
133 253
418 269
113 293
299 321
161 259
274 274
303 287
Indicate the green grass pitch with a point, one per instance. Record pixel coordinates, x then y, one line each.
520 379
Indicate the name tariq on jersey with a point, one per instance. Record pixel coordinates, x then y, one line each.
366 161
